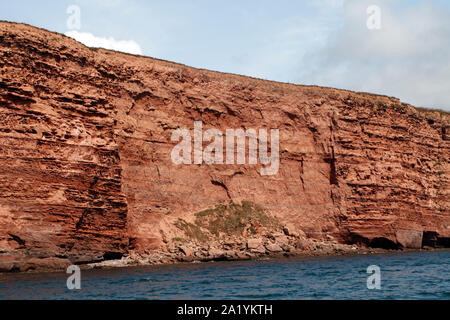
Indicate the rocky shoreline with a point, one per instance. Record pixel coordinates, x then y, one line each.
262 242
136 259
51 265
272 247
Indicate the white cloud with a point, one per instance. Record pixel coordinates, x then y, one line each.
407 58
88 39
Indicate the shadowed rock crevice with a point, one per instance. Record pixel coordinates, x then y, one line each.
223 185
17 239
332 162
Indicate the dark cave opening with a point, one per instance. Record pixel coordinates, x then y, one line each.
384 243
112 255
379 242
432 239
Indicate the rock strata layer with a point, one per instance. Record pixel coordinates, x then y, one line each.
86 173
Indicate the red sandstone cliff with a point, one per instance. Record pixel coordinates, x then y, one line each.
86 173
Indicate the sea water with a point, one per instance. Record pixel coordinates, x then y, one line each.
410 275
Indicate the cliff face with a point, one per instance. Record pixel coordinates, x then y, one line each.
86 171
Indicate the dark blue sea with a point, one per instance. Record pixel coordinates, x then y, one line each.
411 275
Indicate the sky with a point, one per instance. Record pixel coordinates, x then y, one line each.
401 49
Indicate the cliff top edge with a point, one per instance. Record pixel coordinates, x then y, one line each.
27 31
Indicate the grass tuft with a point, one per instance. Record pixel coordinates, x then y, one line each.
232 219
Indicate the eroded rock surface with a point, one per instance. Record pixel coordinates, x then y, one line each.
86 173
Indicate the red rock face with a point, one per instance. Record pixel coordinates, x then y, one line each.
85 155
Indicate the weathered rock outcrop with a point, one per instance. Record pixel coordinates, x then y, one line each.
86 173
